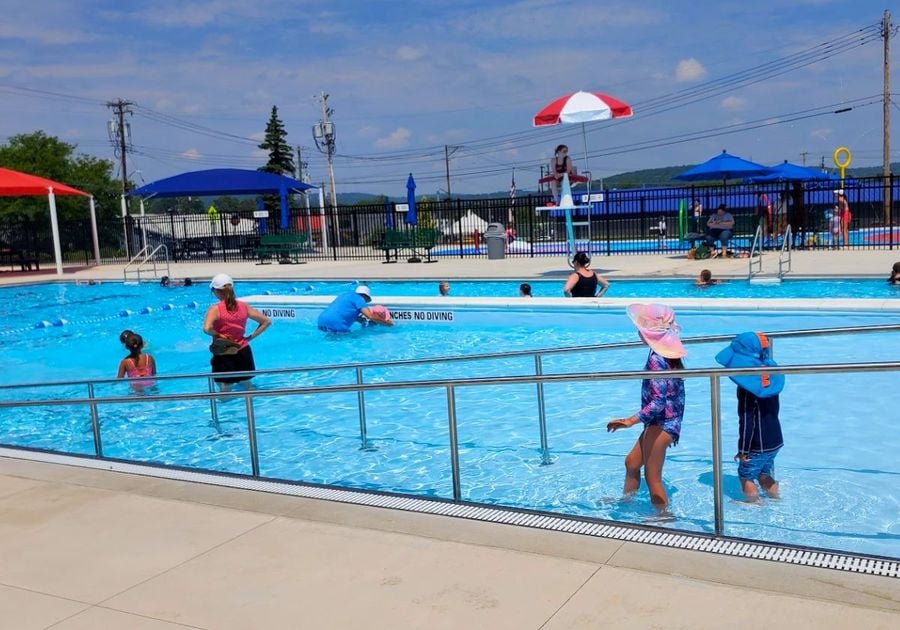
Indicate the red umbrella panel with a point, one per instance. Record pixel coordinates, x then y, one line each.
16 184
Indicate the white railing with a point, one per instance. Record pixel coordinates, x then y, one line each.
755 260
784 256
146 263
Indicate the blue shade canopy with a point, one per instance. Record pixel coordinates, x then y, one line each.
411 217
788 172
723 166
221 181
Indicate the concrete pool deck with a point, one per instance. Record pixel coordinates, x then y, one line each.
86 548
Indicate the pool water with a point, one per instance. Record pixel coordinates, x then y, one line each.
839 458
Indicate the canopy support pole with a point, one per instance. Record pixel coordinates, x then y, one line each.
94 238
143 226
54 226
587 167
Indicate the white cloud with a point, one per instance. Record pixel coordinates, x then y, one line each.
410 53
398 138
368 131
822 134
689 70
733 103
191 154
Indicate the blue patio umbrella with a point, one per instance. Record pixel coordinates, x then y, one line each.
723 166
283 202
263 223
388 215
788 172
411 200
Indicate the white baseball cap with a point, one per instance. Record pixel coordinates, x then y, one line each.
363 290
220 280
839 191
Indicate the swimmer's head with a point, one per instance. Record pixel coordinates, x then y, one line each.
363 290
705 275
581 259
525 289
444 288
560 148
123 336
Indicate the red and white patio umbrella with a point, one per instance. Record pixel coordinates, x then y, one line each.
582 107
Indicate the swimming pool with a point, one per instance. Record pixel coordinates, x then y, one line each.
838 460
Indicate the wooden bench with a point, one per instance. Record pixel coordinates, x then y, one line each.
412 240
285 248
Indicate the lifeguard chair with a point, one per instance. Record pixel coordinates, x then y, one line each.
578 230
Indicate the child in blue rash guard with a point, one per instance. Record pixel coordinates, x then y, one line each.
759 429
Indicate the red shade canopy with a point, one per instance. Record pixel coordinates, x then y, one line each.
16 184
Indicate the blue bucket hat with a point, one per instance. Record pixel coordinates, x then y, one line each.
748 350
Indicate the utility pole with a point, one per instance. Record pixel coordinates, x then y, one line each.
447 168
323 134
803 155
302 175
886 119
120 136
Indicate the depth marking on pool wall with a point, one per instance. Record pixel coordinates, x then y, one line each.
424 316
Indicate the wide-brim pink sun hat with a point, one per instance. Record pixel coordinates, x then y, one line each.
657 327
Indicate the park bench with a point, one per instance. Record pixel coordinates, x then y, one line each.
17 258
413 240
285 248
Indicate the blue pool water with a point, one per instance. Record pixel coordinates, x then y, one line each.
839 472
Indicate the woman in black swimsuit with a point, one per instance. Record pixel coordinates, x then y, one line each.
582 283
559 166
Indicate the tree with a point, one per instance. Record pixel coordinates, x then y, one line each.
47 156
281 156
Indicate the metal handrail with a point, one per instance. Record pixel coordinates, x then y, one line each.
143 257
450 385
784 256
755 247
510 354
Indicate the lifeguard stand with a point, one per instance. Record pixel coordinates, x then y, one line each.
578 231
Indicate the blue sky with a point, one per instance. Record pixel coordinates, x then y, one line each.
407 78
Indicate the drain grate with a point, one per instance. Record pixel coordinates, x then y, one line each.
507 516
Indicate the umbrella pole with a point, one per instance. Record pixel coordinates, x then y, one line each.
587 167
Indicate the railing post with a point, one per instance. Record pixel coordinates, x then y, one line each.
542 413
95 423
213 410
251 436
716 416
361 402
454 446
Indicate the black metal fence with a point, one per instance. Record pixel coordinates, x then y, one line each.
634 221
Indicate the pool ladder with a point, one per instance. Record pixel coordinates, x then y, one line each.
147 263
755 264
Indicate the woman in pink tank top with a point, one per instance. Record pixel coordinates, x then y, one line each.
226 323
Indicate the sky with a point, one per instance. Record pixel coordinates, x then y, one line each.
407 79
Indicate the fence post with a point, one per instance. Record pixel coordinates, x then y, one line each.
530 214
454 444
716 418
459 223
890 210
608 220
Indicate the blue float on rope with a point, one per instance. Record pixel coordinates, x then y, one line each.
125 313
168 307
59 321
146 310
43 324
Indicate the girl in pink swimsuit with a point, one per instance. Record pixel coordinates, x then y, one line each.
136 365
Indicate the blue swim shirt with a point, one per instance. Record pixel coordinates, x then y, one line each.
342 312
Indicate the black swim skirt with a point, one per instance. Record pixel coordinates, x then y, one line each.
242 361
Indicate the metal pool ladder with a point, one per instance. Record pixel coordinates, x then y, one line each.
147 263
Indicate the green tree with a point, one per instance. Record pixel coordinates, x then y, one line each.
47 156
281 156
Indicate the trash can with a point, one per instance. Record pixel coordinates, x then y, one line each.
495 236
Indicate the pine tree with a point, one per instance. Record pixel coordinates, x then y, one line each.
281 156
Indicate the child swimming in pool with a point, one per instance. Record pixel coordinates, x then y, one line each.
137 365
759 429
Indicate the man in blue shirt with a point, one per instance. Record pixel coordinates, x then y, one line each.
346 309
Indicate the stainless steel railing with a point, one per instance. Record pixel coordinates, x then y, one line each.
451 385
784 256
756 248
